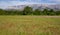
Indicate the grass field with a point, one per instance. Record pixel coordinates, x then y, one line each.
29 25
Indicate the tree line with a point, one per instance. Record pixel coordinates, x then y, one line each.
29 11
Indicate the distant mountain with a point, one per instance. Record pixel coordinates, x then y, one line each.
36 6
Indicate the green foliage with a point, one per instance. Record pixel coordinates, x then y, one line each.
37 12
1 12
52 12
45 12
29 11
57 12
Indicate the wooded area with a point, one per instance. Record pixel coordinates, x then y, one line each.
29 11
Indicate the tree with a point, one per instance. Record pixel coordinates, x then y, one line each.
2 12
45 12
57 12
27 10
51 12
37 12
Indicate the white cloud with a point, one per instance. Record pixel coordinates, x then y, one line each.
5 3
13 3
55 0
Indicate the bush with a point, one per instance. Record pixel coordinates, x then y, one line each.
29 11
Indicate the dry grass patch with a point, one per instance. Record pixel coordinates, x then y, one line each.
29 25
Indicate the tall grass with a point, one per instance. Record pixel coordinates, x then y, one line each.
29 25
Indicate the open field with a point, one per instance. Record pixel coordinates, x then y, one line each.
29 25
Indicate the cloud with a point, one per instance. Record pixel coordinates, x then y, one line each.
36 1
57 0
5 3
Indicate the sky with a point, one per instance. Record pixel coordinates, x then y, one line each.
5 3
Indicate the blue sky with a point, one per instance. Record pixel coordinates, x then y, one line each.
5 3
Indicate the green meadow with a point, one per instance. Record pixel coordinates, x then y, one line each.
29 25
